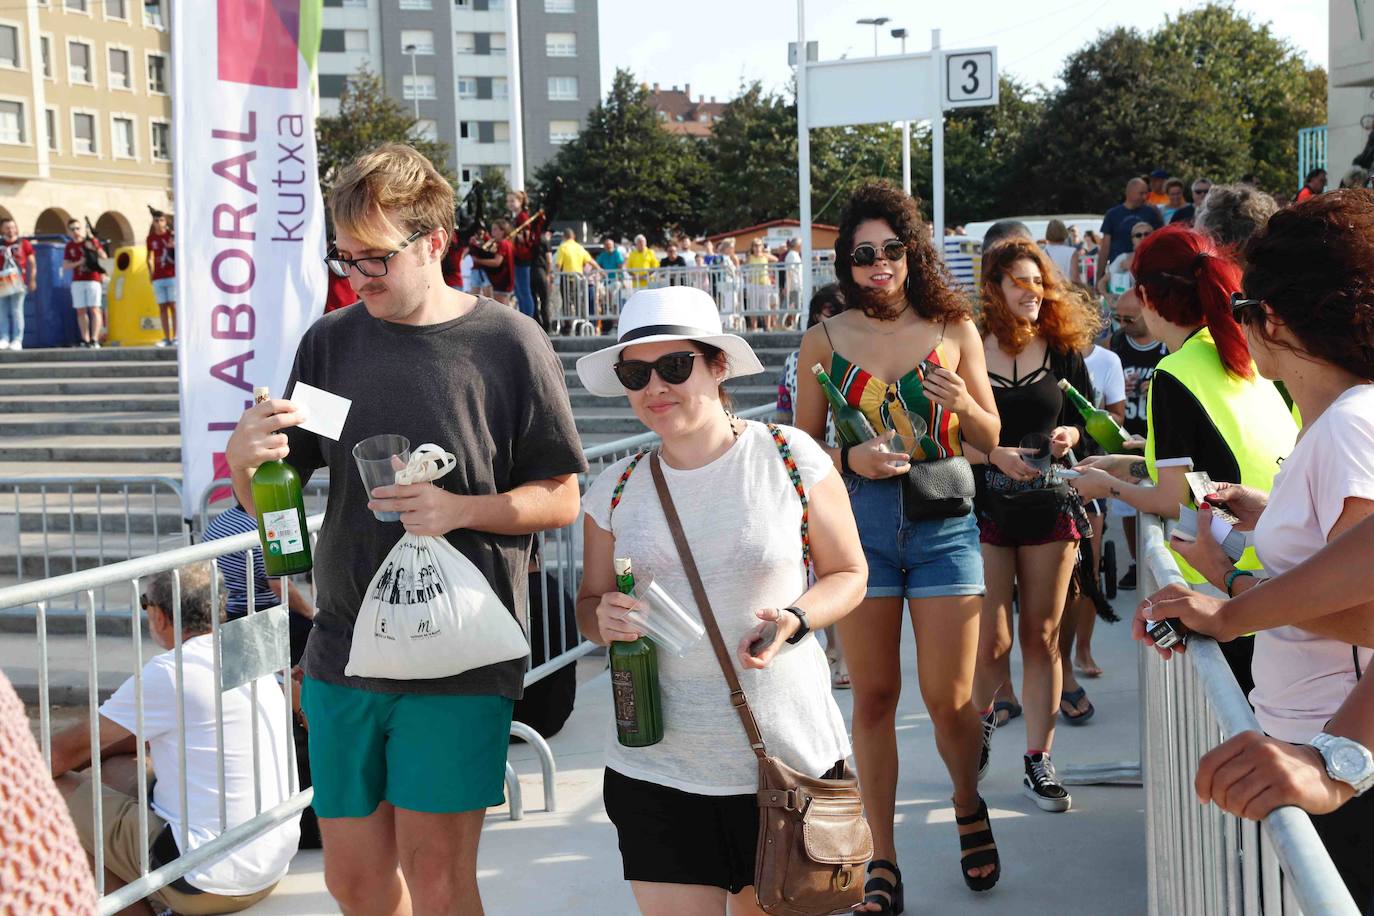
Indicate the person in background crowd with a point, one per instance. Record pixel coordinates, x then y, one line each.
672 259
238 877
1005 229
1186 214
792 276
726 278
1355 177
610 261
760 297
547 703
1174 189
1313 185
1034 328
1158 196
1119 276
1116 239
541 264
452 263
1309 321
1139 353
906 347
522 246
18 278
86 288
338 293
686 809
1209 410
1231 213
499 265
1091 244
640 262
1061 252
162 249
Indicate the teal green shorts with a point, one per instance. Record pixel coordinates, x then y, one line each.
437 754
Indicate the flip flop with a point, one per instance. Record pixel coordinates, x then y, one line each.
1087 672
1013 710
1073 698
839 674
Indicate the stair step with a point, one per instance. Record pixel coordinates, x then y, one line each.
109 387
41 558
82 404
101 424
107 448
77 369
82 355
28 470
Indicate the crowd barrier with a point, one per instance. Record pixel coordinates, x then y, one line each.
1199 858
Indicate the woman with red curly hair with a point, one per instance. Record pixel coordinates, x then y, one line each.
1034 326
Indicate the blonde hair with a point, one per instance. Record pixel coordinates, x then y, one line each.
387 193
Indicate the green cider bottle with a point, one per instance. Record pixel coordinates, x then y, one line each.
281 514
850 423
1101 425
634 679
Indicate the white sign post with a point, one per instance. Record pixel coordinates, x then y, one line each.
835 93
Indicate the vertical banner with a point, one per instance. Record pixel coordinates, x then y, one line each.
249 217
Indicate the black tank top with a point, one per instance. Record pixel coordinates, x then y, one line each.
1029 404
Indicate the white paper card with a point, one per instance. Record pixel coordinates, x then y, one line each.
324 412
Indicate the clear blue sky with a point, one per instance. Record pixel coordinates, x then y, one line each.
716 44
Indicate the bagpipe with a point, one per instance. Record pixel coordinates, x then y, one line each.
90 250
169 254
553 202
476 231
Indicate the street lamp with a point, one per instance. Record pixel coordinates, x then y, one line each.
900 35
877 24
414 79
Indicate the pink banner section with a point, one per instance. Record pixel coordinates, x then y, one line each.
258 42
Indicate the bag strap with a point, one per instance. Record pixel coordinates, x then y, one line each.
785 452
708 617
619 490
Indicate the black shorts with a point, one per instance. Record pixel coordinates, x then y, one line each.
673 837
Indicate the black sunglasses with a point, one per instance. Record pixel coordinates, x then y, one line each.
1242 308
368 267
864 255
673 368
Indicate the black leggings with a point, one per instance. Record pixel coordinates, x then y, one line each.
1348 835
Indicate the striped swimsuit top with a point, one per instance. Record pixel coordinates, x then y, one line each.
875 398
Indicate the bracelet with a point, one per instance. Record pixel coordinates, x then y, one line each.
1231 578
844 460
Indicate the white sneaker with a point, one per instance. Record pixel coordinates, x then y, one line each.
4 344
95 345
162 343
16 345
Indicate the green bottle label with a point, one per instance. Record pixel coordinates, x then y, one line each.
623 693
282 532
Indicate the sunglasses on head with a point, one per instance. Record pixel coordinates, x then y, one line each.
1243 308
673 368
1140 235
864 255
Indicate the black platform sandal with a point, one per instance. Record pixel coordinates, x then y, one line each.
973 855
892 898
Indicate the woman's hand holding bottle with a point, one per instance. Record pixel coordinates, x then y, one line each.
611 622
875 460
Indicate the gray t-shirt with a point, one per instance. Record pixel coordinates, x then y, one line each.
486 386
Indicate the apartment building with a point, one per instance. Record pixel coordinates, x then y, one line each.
453 60
85 114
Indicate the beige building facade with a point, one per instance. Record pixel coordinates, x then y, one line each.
85 114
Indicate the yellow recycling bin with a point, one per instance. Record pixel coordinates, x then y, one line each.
134 319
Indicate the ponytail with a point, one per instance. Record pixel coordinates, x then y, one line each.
1216 281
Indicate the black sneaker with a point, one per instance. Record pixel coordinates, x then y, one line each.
1127 583
989 723
1041 784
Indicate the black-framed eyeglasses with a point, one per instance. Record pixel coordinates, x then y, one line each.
1242 307
368 267
673 368
864 255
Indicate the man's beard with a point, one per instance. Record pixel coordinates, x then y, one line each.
884 305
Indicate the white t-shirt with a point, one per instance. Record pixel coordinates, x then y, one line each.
742 517
1062 256
1302 679
258 863
1108 377
1119 277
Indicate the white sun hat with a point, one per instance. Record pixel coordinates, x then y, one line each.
666 313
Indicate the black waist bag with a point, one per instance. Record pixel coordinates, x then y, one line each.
942 488
1025 515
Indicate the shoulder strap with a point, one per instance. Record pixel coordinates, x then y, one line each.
619 490
708 617
827 336
785 451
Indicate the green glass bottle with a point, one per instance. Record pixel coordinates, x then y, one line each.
634 679
850 423
1101 425
281 514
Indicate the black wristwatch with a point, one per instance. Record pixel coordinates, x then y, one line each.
802 630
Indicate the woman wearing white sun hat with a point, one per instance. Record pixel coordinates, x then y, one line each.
757 504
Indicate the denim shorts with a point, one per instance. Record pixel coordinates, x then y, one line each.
931 558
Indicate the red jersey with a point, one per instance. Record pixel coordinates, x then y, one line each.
162 256
14 259
503 277
76 251
340 293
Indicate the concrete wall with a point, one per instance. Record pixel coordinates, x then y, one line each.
1352 80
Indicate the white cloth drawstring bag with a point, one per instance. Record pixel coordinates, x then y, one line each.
429 612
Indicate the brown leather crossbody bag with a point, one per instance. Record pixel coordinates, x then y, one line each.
813 838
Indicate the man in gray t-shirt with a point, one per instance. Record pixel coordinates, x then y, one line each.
404 769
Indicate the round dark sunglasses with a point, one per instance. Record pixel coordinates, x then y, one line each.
673 368
864 255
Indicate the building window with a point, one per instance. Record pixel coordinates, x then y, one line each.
355 39
355 4
77 6
426 129
417 4
464 43
500 88
496 5
418 87
120 77
498 42
560 6
79 63
561 132
122 137
9 46
45 49
117 9
467 87
465 129
500 132
12 122
162 140
560 44
562 89
422 39
50 127
157 73
83 133
154 15
466 176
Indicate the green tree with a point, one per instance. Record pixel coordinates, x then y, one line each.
624 174
988 155
751 156
368 118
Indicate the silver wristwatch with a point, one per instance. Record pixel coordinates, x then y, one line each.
1346 760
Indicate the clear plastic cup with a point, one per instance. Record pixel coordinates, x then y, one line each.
379 458
1037 452
907 445
663 620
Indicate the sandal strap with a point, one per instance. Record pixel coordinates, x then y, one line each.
1073 696
976 839
881 885
979 859
884 863
980 815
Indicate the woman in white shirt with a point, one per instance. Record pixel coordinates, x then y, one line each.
1308 315
757 504
1062 251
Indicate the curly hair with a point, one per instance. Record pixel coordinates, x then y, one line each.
929 288
1068 319
1313 264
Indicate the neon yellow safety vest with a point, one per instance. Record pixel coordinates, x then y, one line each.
1249 414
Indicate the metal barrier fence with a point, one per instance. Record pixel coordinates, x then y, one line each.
1200 859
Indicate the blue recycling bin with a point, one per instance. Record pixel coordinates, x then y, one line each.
49 320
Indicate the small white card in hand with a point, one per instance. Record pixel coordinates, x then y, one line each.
324 412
